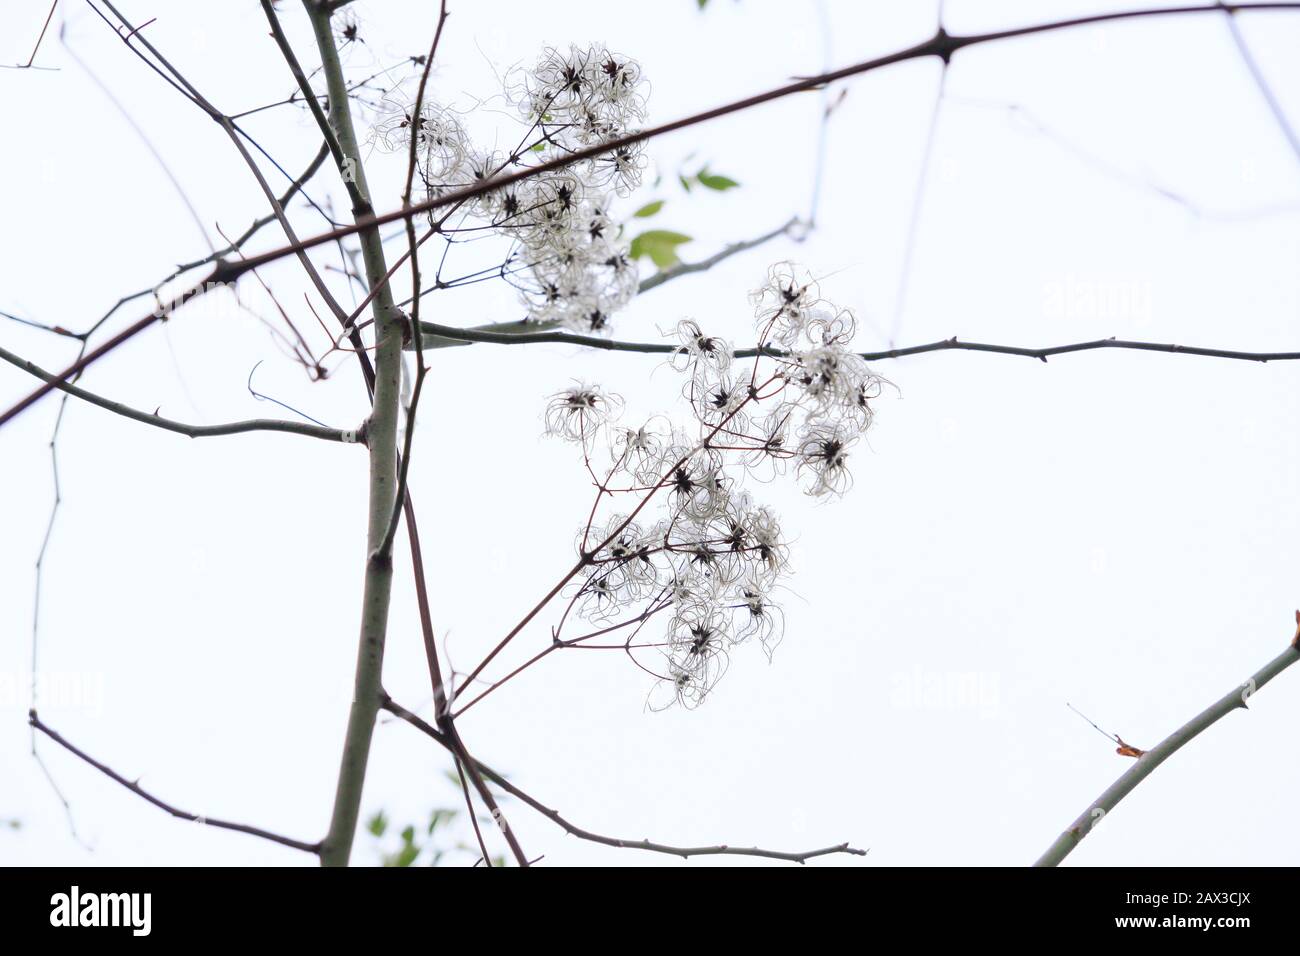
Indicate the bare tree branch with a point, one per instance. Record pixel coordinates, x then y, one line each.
1265 91
488 335
167 424
44 27
941 45
139 791
554 816
703 265
205 285
793 225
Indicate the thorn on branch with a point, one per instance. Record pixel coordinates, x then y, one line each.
944 45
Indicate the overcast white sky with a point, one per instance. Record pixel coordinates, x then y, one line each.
1112 529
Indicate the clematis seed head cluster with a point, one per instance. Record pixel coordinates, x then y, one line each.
682 550
568 259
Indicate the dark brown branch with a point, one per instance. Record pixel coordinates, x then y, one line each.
45 26
941 45
554 816
139 791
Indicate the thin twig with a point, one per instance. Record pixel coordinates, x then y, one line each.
918 204
139 791
790 228
487 335
703 265
554 816
473 817
45 26
404 468
1265 91
146 141
167 424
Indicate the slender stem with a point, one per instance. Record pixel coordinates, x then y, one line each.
382 443
413 245
703 265
790 227
493 334
139 791
554 816
1144 765
167 424
1265 90
473 817
294 188
45 26
85 359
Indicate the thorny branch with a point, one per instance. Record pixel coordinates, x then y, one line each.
1148 760
554 816
139 791
486 334
942 45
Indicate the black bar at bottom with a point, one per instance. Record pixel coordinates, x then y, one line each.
675 904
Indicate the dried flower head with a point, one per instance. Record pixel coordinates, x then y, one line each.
712 560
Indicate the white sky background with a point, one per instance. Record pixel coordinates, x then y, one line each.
1113 529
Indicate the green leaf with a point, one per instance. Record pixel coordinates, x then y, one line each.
440 816
538 147
686 183
403 857
649 209
714 181
702 3
377 824
408 835
660 245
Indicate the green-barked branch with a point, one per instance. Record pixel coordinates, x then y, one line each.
1146 764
